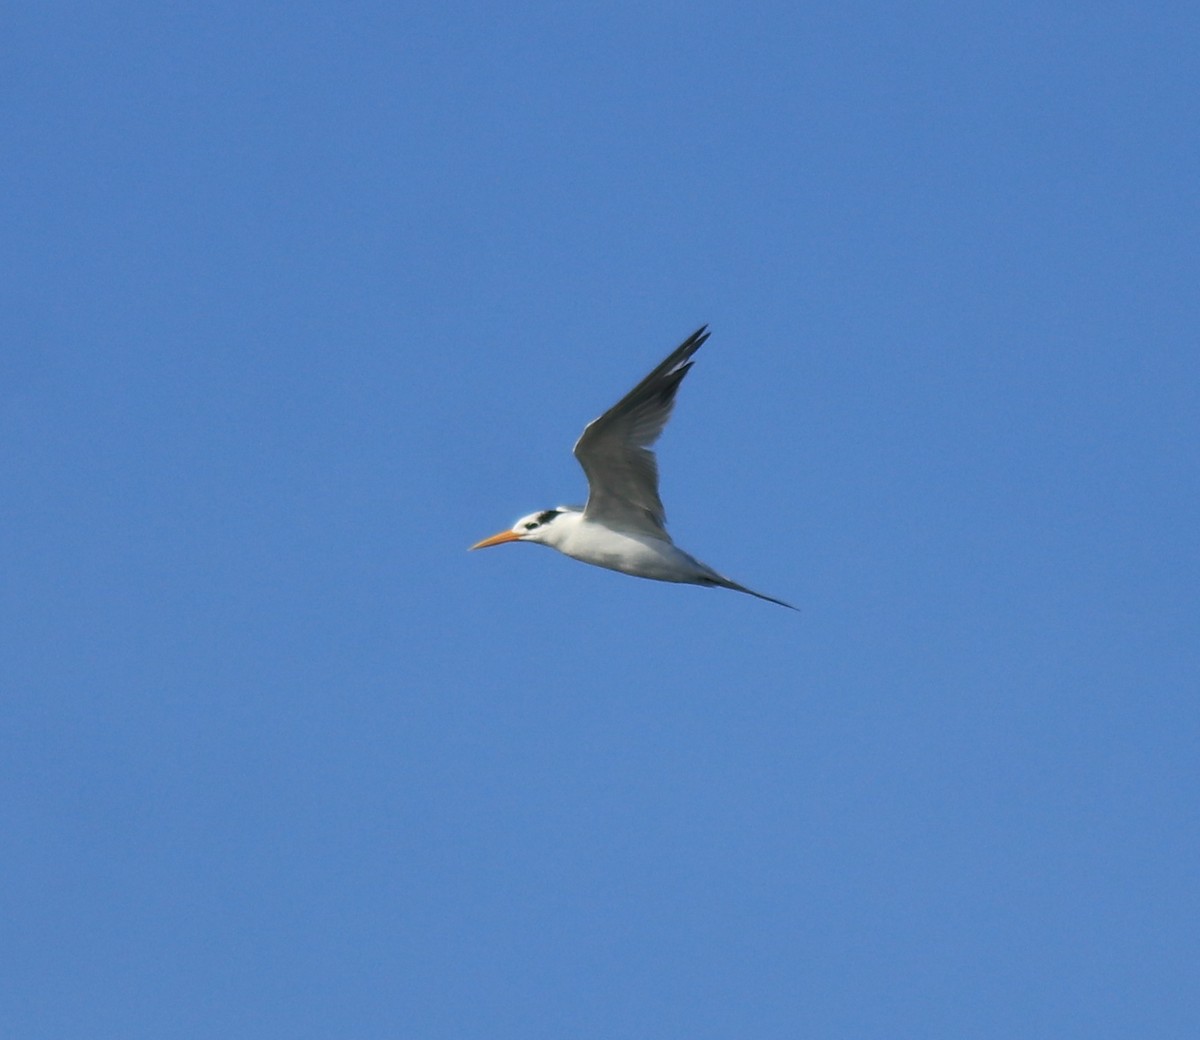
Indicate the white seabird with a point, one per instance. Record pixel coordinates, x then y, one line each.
622 527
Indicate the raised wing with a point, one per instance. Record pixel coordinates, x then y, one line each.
614 450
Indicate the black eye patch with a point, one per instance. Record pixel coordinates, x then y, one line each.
547 516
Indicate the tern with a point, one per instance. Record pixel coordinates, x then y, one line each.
623 525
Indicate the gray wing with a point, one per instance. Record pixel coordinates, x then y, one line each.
614 450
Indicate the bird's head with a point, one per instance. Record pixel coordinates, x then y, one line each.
536 527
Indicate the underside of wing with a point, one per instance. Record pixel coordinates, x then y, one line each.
614 450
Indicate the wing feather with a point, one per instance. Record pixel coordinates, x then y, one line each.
614 450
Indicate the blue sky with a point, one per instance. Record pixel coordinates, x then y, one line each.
302 300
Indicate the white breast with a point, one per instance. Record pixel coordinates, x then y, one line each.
635 554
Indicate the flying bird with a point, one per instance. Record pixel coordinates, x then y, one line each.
623 525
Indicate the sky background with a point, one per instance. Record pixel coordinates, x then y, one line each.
303 299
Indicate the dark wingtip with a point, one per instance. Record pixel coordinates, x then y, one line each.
688 347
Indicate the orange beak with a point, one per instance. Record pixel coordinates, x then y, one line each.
497 539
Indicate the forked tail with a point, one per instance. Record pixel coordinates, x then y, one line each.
725 583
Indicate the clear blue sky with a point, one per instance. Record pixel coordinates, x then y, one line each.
303 299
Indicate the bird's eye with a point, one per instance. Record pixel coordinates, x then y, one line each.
530 526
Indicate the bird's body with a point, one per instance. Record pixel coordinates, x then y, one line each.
623 525
633 553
